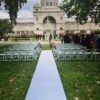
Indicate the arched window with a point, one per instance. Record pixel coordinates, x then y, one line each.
54 3
47 3
37 18
37 29
42 4
50 3
61 28
61 18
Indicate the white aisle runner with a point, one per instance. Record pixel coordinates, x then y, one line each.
46 83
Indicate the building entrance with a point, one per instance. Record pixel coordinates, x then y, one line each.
49 25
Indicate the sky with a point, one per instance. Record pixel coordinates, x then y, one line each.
26 9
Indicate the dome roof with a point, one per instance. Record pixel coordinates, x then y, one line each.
37 4
49 3
50 0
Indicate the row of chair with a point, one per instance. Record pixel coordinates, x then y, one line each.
20 53
17 55
76 54
69 45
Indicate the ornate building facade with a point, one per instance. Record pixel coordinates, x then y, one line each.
50 19
24 26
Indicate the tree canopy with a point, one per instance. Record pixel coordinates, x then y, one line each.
12 6
5 27
82 10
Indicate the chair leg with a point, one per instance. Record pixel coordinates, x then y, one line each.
8 57
2 56
16 57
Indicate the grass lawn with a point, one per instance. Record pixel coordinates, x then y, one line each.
46 47
15 79
81 79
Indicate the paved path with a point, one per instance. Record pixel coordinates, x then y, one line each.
46 83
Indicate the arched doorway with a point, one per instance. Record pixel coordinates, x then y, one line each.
49 25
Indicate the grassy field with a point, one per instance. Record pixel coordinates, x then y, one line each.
81 79
46 47
15 78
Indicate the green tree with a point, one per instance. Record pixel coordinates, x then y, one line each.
5 27
82 10
12 6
